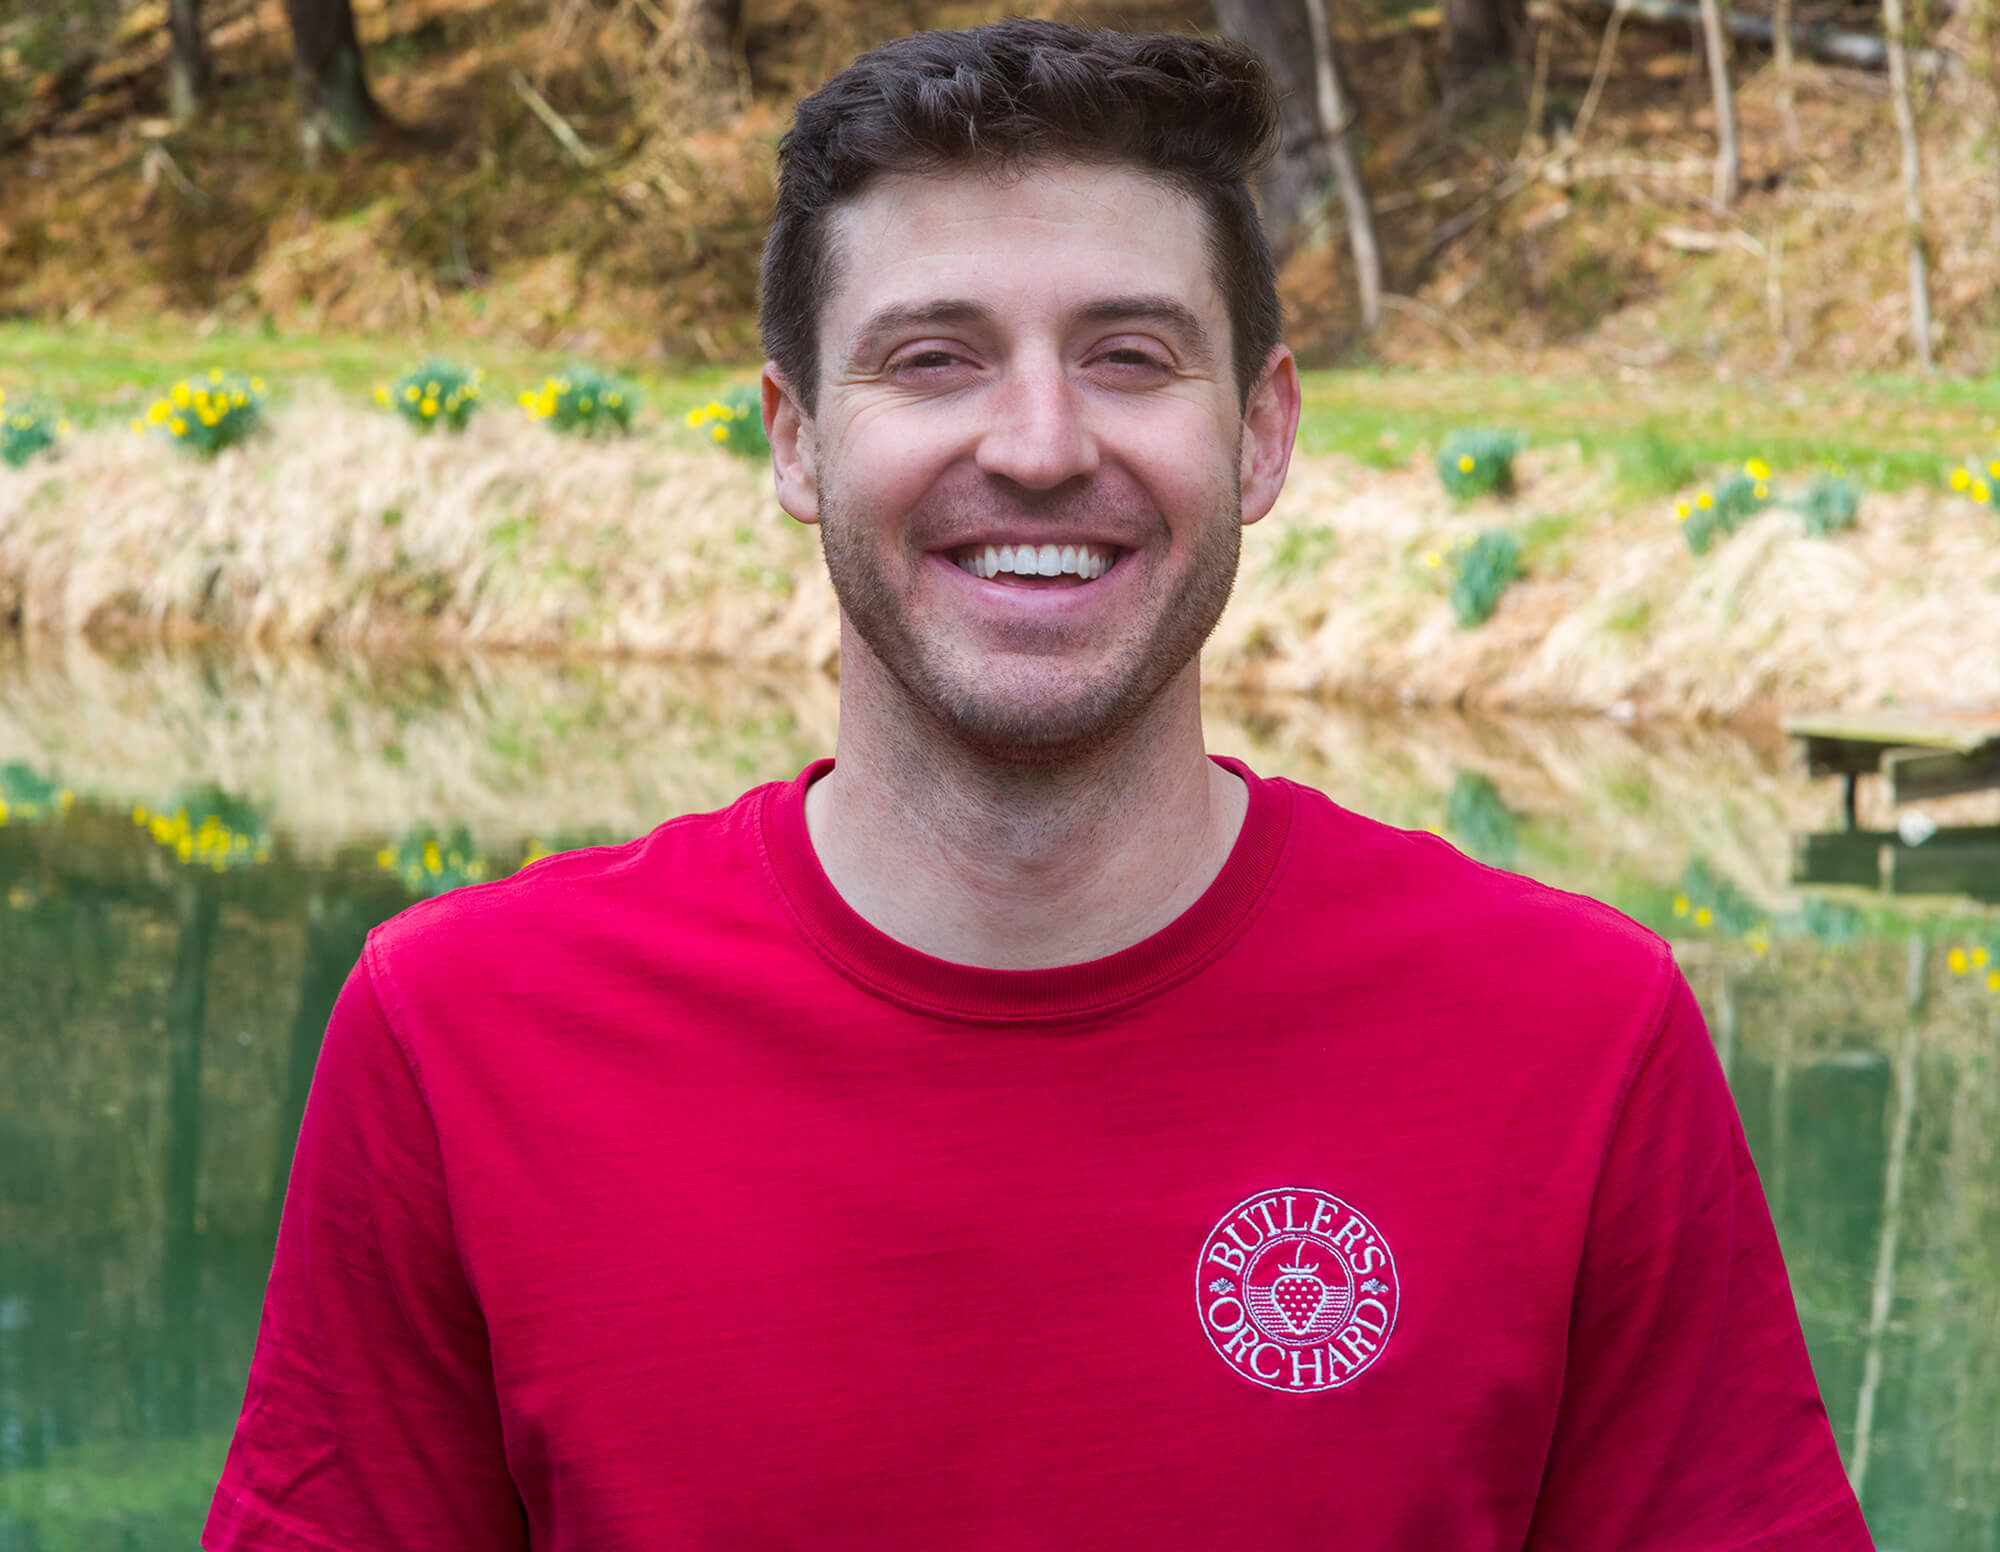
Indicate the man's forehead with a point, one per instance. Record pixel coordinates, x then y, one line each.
885 240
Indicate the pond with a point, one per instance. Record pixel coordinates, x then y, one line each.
193 847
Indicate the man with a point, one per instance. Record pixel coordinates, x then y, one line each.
1025 1131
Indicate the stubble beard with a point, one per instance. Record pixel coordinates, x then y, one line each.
1044 716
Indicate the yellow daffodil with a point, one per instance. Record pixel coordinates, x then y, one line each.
1757 469
1762 490
1960 480
381 394
1682 905
614 399
385 859
1958 961
546 405
159 412
433 859
1705 501
1993 980
526 398
1466 462
1993 469
1979 959
720 434
1682 511
181 396
428 408
696 418
177 426
256 385
1703 916
1980 491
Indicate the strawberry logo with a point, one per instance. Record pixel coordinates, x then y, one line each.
1307 1293
1299 1292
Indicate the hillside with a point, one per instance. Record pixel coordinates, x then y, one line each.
554 181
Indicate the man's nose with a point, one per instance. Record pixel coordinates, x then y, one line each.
1037 435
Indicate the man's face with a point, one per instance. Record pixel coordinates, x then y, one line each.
1029 459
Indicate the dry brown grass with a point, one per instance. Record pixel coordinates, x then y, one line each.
343 528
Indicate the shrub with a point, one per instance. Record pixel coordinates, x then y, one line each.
24 432
1481 572
583 400
1829 504
1475 462
435 394
206 414
734 421
1740 494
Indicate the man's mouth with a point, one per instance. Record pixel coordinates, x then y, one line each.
1084 562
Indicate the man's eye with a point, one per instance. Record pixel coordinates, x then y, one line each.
1129 357
927 360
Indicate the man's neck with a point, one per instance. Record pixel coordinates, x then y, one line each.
1023 867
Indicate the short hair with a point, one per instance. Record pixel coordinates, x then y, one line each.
1200 112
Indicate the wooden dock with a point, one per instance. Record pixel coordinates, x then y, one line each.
1924 754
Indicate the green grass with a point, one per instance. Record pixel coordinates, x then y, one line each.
98 376
1886 432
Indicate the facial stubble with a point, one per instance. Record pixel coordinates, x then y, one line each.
939 680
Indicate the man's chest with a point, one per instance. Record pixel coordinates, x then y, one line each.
810 1288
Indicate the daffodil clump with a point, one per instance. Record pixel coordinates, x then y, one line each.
1713 904
1978 479
26 796
1721 510
25 431
1481 569
1977 960
208 413
582 400
208 829
1476 462
734 421
430 863
1830 503
435 394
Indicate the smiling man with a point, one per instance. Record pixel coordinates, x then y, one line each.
1025 1130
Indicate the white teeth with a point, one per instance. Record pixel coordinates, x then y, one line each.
1028 560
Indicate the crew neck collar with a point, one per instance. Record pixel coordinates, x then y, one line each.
892 969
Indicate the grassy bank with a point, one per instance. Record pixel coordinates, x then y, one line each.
338 525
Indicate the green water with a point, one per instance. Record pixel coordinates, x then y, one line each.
194 847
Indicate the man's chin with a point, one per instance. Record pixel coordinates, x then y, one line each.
1038 727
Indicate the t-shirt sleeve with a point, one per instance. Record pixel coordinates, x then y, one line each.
1690 1420
370 1419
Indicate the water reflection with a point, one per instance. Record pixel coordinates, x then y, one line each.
193 849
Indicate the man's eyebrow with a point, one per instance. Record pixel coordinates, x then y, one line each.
896 318
1176 315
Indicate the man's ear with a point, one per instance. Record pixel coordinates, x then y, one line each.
794 466
1270 426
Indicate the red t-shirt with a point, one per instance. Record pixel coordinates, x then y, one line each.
652 1199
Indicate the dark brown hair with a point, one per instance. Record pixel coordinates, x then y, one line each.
1200 112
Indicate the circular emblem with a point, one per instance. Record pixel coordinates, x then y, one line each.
1297 1290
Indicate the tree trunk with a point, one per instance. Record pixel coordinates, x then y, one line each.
1728 160
336 108
1296 41
1479 34
1333 121
187 59
1913 178
1279 31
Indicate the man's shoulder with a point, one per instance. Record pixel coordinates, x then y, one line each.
587 898
1415 888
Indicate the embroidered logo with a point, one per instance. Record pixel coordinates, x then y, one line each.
1297 1290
